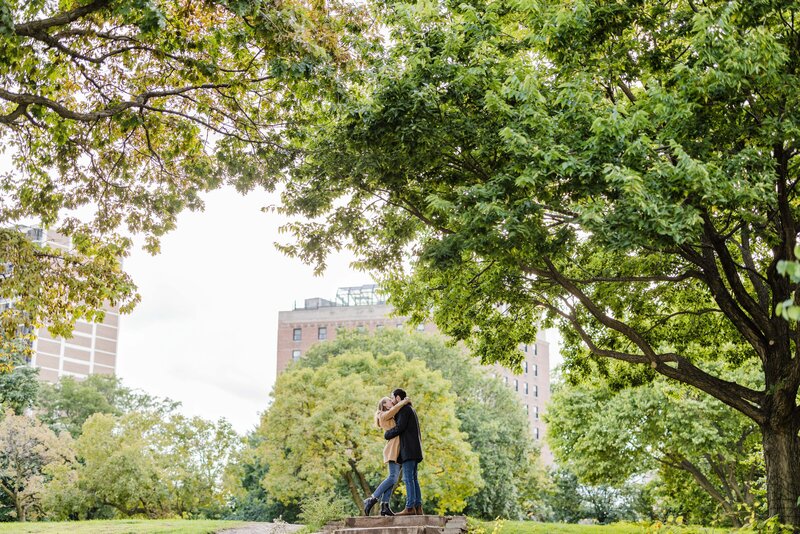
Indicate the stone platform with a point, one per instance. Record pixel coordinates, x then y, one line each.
404 524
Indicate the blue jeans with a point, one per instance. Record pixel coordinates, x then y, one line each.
413 493
384 490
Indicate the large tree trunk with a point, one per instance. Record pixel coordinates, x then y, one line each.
782 460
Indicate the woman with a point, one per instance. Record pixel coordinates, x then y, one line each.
384 419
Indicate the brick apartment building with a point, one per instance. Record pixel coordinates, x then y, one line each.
361 308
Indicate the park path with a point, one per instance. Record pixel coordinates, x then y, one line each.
263 528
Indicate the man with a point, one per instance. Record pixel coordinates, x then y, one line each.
407 427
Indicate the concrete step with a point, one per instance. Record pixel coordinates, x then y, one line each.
396 521
330 527
390 530
456 524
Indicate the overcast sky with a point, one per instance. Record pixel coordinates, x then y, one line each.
205 333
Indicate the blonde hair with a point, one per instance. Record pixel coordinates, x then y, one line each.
380 410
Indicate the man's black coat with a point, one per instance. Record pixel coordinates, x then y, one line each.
407 427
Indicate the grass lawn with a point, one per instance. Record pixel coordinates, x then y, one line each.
122 526
530 527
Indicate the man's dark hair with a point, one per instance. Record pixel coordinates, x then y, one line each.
399 393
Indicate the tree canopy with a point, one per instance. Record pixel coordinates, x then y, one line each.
118 114
27 450
628 170
19 389
144 463
69 403
320 432
608 437
490 414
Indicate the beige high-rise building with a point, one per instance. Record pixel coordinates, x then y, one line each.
361 308
92 349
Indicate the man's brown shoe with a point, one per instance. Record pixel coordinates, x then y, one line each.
418 510
408 511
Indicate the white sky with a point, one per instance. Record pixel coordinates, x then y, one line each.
205 333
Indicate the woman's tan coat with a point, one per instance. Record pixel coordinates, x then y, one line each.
386 422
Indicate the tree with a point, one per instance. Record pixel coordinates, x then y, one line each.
118 114
144 463
19 389
491 416
68 404
627 169
608 437
199 453
243 481
565 500
319 432
27 450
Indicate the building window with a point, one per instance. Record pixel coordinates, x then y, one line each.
295 355
399 325
360 328
535 390
379 326
536 432
516 385
525 347
505 379
536 349
526 388
526 408
297 334
322 332
535 370
420 327
525 366
536 412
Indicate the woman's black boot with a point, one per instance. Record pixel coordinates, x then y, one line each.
369 502
385 510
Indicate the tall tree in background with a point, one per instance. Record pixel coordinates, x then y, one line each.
68 404
628 168
243 481
144 463
27 450
117 114
320 431
19 389
607 437
490 414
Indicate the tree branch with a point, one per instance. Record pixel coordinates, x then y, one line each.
61 19
635 279
140 101
19 111
759 316
735 395
708 265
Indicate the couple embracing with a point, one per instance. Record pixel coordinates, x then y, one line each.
403 450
